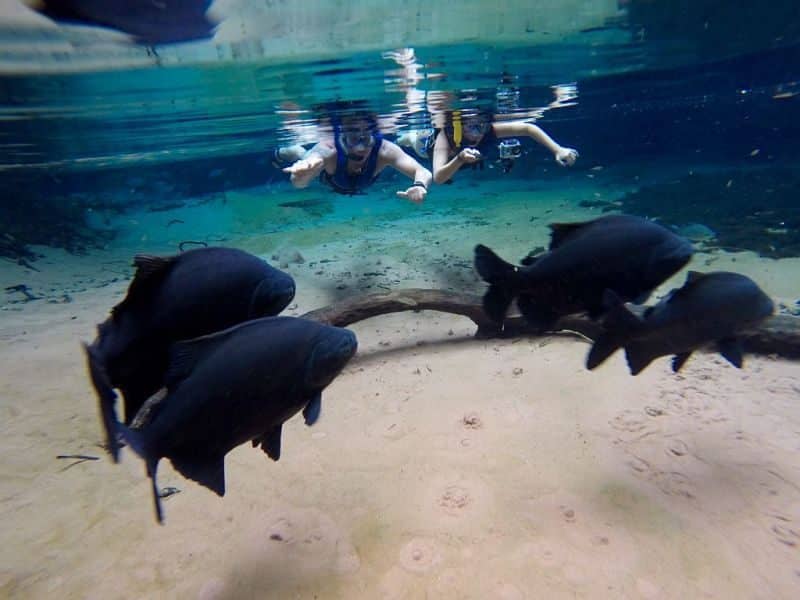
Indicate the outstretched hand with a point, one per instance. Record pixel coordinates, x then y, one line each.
416 194
566 157
304 165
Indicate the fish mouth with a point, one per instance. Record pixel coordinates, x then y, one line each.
349 345
283 296
271 297
329 357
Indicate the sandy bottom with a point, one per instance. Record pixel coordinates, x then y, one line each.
442 466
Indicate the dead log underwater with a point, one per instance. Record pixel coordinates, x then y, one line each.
777 336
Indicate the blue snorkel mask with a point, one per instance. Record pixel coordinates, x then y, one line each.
359 135
473 129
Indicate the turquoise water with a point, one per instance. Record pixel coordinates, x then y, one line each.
636 88
683 112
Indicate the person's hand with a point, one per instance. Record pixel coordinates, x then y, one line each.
304 166
416 193
470 155
566 157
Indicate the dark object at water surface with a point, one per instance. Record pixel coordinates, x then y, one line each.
150 22
629 255
172 299
235 386
710 308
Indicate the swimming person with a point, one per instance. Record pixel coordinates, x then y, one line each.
352 160
469 139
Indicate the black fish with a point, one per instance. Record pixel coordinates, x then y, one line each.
235 386
709 308
628 255
150 21
171 299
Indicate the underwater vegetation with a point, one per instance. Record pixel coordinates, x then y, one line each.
58 222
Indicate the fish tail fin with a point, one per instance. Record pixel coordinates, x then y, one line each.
106 396
137 440
502 279
619 326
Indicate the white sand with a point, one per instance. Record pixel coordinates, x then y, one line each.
442 466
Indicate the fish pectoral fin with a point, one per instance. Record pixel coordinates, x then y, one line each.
496 302
207 471
185 355
539 316
679 360
107 398
312 409
137 440
271 442
731 350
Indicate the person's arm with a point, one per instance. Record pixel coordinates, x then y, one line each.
443 166
393 156
310 166
564 156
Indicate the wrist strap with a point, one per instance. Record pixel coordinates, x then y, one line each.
419 184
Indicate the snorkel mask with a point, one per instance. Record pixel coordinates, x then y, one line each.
470 129
357 140
473 129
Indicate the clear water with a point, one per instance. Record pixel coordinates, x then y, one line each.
682 111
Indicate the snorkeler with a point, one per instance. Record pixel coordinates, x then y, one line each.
467 140
353 159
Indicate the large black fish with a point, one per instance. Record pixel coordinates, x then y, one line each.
709 308
171 299
150 21
628 255
235 386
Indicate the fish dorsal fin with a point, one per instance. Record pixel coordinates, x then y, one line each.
560 232
150 272
693 276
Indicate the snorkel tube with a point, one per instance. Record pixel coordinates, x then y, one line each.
457 131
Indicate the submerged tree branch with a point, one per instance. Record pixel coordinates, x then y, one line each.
778 335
